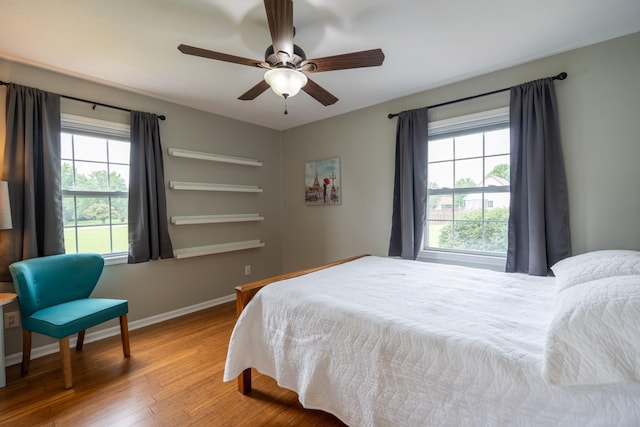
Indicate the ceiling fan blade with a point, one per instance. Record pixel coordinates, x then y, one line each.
280 17
254 91
205 53
319 93
365 58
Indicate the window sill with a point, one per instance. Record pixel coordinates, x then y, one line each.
496 263
115 259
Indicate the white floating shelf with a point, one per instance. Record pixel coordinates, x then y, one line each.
216 249
205 186
214 219
177 152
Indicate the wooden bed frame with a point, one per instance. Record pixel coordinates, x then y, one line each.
244 294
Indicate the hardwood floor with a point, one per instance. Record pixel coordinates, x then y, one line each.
173 378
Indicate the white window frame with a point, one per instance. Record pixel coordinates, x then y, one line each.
488 118
85 125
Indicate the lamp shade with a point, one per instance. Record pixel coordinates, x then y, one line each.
5 207
285 82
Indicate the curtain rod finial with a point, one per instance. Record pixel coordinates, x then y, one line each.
561 76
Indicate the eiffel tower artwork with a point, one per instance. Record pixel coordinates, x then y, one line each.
322 182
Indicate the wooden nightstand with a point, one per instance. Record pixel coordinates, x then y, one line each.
5 298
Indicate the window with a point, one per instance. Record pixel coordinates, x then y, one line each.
95 185
468 184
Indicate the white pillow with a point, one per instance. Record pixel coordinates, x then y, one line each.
594 335
595 265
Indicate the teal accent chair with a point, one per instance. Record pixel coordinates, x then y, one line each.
53 296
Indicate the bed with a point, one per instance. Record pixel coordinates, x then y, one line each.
387 342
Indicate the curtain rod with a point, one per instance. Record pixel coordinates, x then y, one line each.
161 117
560 76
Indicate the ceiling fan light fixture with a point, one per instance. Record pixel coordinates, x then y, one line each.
285 82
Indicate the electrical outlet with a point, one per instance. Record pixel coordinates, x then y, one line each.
11 319
247 270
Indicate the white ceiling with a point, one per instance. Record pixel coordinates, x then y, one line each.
132 44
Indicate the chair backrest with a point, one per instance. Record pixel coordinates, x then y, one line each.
51 280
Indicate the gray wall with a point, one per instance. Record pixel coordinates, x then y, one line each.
159 287
600 131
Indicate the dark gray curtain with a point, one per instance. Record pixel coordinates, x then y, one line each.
539 214
32 169
148 230
410 185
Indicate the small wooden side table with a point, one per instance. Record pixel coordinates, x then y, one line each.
5 298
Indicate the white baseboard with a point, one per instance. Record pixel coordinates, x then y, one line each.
16 358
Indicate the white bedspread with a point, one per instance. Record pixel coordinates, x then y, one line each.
387 342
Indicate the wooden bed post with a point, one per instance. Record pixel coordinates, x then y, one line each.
244 294
242 299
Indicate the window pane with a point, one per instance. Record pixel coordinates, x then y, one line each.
441 149
119 210
66 151
93 210
497 206
68 211
440 207
441 175
94 233
468 146
120 238
496 223
497 168
469 173
497 142
90 148
468 235
94 239
470 206
495 237
66 175
438 230
119 152
70 240
119 178
91 176
440 234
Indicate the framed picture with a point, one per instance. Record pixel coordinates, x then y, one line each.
322 182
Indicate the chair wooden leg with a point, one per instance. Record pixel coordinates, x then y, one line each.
65 358
26 352
124 335
80 341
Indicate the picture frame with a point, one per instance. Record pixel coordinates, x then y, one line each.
323 182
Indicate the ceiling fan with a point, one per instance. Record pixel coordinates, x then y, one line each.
286 63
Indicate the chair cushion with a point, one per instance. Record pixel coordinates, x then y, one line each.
71 317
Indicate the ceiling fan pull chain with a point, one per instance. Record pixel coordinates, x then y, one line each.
285 104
